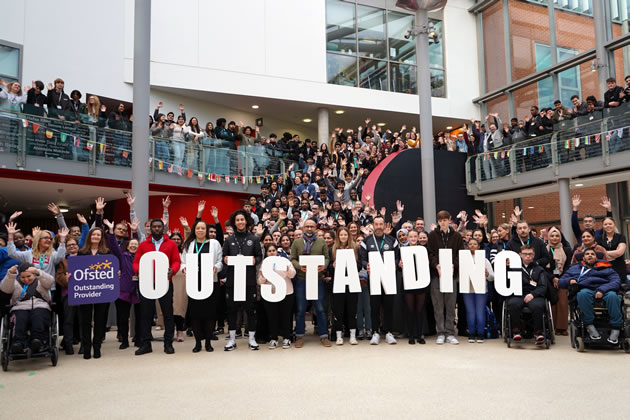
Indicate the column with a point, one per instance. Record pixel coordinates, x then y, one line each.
426 123
141 91
599 19
566 210
323 129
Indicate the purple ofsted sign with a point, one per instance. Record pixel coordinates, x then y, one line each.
93 279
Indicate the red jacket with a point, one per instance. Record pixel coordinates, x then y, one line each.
168 247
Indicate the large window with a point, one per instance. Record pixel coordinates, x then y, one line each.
10 62
568 80
366 47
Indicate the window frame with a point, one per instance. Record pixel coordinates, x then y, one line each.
20 49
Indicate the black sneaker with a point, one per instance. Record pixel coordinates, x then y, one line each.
471 338
144 349
168 348
36 345
219 331
17 348
189 333
68 349
239 333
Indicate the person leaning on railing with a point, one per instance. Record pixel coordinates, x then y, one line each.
57 99
159 132
11 97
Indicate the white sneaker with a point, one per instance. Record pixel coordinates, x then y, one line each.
231 345
273 344
339 341
440 339
353 341
389 338
452 340
376 338
286 343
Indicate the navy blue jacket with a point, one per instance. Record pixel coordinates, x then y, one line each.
601 277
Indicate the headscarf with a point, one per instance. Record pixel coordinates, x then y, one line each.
557 251
406 232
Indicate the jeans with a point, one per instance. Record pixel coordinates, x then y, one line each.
179 149
488 167
39 320
586 299
299 285
161 151
475 312
364 309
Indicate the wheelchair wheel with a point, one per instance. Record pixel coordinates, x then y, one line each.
5 360
579 344
54 355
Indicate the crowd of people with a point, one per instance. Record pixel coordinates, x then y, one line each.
293 217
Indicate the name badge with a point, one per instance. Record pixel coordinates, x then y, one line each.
239 255
533 283
58 106
556 272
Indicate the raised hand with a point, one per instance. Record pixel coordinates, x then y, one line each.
214 212
103 108
160 104
259 229
166 201
134 224
396 216
15 215
130 200
183 221
35 230
100 204
266 216
368 198
518 211
81 219
605 203
63 232
433 226
576 200
400 206
109 224
383 211
201 207
12 229
54 209
181 108
388 228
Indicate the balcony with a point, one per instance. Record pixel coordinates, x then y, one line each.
48 145
591 147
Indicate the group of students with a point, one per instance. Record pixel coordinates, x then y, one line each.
32 272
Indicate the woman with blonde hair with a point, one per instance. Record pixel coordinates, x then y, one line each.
345 304
42 255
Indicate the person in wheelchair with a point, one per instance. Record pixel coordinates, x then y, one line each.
29 288
595 279
534 290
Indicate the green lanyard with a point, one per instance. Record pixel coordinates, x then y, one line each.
41 261
382 243
198 250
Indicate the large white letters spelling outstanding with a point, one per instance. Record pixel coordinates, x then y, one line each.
154 268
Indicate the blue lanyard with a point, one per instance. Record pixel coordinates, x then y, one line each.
198 250
24 289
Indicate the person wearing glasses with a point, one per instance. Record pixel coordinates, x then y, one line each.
43 256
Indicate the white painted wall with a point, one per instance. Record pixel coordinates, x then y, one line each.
265 48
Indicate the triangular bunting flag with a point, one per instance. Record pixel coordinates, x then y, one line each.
190 173
125 154
179 171
213 177
620 132
62 137
531 150
243 180
541 149
170 168
218 178
258 181
90 145
200 175
496 155
524 151
209 177
587 140
507 153
160 165
227 179
576 142
24 123
567 144
150 161
77 141
49 134
598 138
503 154
101 147
35 128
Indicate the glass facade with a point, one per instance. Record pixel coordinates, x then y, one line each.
538 38
366 47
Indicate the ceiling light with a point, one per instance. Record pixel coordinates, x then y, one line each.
450 127
579 185
255 106
381 124
530 207
63 210
307 120
339 111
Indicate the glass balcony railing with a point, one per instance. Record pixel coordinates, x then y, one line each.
594 136
205 158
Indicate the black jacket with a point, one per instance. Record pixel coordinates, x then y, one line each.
437 240
56 102
534 280
380 244
542 257
243 243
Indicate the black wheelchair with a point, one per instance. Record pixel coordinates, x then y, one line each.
526 325
580 339
7 335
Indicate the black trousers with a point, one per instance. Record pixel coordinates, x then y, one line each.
415 301
147 308
70 313
462 324
280 317
387 301
248 305
344 308
515 306
202 316
38 319
123 310
100 323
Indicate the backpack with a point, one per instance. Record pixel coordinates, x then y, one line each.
491 330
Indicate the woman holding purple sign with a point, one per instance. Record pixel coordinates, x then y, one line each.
128 282
94 245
